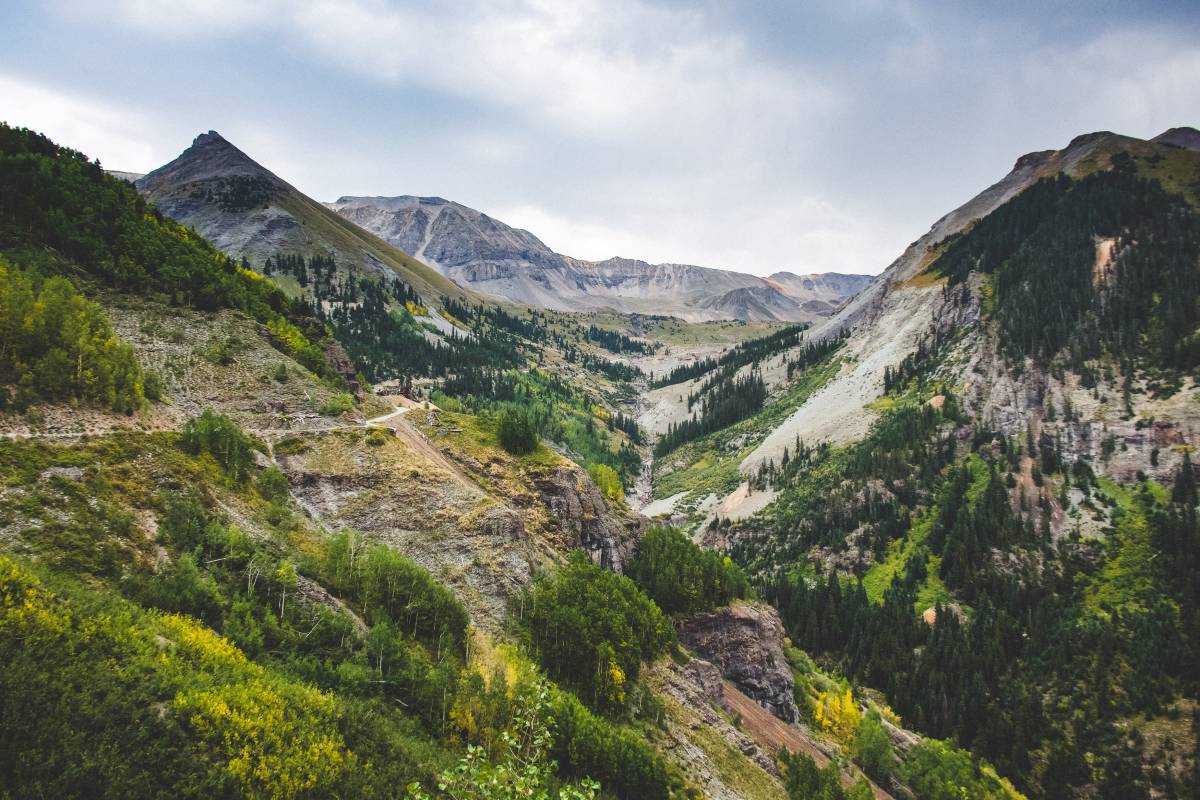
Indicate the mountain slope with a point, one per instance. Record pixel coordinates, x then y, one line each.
249 212
983 504
482 253
898 307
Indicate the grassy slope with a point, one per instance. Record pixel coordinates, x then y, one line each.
327 229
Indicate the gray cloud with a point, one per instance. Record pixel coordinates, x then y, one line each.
760 136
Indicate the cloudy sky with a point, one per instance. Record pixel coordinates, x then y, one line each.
756 136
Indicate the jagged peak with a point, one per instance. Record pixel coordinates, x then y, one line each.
210 156
1034 159
212 137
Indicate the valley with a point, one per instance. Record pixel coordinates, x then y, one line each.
291 507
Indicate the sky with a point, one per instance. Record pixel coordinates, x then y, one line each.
757 136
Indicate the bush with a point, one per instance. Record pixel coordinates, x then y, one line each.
338 404
591 629
220 437
587 745
608 482
682 577
936 770
524 769
516 432
182 587
152 385
272 484
804 780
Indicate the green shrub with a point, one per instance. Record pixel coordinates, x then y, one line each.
336 405
272 484
936 770
524 768
592 629
587 745
804 780
682 577
182 587
516 432
873 748
152 385
220 437
391 588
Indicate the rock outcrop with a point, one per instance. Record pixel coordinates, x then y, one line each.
745 641
585 520
339 360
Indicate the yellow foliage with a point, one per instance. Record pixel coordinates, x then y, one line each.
275 737
837 713
416 309
607 481
209 648
275 746
891 716
616 682
288 334
27 609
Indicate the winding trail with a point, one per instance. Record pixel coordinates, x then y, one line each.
264 432
400 411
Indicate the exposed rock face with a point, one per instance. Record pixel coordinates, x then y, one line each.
482 253
745 642
405 494
585 520
337 359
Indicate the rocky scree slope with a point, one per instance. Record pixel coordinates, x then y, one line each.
889 316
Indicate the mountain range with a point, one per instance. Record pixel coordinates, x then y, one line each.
483 253
247 210
944 542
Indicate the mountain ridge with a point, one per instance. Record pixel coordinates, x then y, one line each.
479 251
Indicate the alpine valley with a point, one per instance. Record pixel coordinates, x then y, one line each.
383 497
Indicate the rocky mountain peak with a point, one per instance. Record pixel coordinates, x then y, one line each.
209 156
403 201
1185 137
210 138
1088 138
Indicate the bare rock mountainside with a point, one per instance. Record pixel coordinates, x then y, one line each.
249 212
482 253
